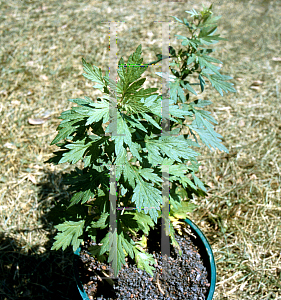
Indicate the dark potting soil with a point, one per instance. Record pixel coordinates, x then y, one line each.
175 277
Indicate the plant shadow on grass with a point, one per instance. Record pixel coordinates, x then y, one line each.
35 275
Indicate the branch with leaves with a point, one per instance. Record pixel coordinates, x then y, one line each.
139 150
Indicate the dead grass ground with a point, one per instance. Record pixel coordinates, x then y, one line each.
41 46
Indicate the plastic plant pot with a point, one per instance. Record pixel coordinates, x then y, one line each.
205 251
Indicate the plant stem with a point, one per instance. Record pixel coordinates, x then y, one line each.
156 61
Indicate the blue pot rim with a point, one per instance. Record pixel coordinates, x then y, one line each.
199 233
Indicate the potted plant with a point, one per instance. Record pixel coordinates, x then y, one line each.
129 152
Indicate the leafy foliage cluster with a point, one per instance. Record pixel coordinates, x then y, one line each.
139 152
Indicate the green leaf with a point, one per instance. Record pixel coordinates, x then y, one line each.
72 121
93 73
192 12
219 83
151 101
135 86
202 82
210 40
174 241
209 139
178 174
132 70
144 93
209 59
174 110
80 101
151 120
116 254
171 146
144 221
121 72
204 61
200 104
181 93
77 150
198 182
149 175
185 182
122 130
70 115
193 42
66 129
175 200
153 149
123 136
191 58
123 166
128 219
187 86
123 190
177 19
105 243
101 111
85 184
209 22
134 122
148 198
201 115
69 234
82 196
101 223
207 37
177 171
144 260
134 105
127 244
181 37
136 221
55 159
206 131
116 245
176 90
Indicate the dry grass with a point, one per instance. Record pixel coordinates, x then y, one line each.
42 44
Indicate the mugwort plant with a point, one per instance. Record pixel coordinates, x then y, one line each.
138 152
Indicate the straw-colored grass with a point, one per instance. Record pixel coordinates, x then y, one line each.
41 46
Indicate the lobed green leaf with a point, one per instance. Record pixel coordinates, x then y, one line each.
68 235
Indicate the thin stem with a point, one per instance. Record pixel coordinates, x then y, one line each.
156 61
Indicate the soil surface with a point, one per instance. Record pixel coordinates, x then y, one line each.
175 277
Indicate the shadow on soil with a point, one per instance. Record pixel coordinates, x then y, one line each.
39 276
